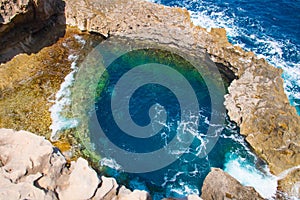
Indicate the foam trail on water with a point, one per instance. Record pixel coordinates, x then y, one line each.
263 46
109 162
264 182
63 99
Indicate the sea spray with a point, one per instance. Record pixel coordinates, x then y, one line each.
63 98
247 174
255 27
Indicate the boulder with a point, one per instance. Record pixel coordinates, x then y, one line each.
107 189
25 159
136 194
81 183
31 168
218 185
23 153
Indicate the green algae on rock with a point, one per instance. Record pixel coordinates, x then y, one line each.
29 83
262 110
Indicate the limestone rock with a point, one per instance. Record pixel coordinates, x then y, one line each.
31 168
11 9
24 11
23 153
107 189
28 23
218 185
136 195
193 197
53 172
256 100
25 157
82 182
289 180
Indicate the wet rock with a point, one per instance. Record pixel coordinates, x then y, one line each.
289 180
218 185
28 84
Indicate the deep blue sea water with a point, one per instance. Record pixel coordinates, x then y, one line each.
269 28
184 175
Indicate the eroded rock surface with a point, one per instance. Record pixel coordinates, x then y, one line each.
31 168
24 11
218 185
256 100
28 22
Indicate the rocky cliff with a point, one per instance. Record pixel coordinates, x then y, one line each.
25 23
256 99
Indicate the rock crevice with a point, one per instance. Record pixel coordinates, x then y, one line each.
256 99
33 169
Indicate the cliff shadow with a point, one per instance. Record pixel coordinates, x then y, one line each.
29 33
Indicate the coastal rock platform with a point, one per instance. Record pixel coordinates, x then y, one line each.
255 101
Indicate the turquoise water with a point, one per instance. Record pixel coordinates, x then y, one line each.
186 174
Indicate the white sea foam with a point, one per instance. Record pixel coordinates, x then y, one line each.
264 46
80 39
62 99
109 162
182 190
264 182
